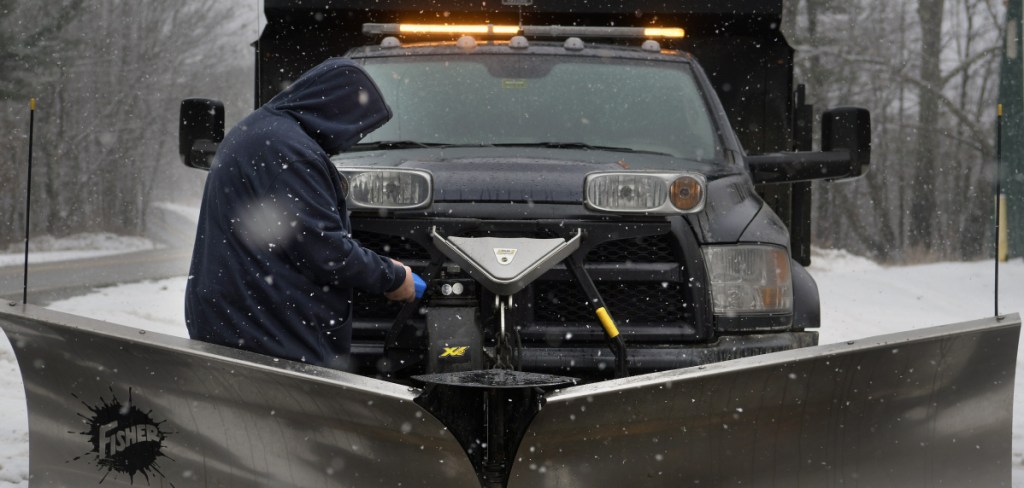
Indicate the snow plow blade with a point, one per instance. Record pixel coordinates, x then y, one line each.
116 404
931 407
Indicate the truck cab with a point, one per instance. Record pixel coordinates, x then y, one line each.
575 196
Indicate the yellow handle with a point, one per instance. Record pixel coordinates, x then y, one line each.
607 323
32 104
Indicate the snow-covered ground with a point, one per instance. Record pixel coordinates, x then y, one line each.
47 248
188 211
859 299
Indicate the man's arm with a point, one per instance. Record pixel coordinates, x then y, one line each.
315 238
406 292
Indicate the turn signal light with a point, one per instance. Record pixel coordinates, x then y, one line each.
686 193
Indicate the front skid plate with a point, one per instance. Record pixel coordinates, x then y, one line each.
926 408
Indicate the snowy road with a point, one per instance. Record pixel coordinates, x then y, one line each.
859 299
49 281
70 266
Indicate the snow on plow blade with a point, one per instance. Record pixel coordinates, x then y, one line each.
924 408
123 406
932 407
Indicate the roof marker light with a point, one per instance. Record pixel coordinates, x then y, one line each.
518 42
573 44
466 42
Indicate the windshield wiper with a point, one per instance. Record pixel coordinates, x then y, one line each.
581 145
370 146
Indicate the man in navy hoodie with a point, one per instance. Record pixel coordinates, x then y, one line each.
274 263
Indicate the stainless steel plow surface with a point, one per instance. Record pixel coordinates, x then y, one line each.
924 408
111 403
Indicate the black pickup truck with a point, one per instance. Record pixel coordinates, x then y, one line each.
578 192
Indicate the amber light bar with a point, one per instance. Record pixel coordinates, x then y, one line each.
526 30
664 32
456 29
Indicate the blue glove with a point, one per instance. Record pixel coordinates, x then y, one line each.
419 284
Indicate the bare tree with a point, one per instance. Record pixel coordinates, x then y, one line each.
927 70
109 95
922 208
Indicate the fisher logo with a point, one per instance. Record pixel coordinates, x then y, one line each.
124 439
505 255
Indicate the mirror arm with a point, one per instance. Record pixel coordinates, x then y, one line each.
791 167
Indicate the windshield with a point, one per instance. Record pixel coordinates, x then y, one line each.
544 100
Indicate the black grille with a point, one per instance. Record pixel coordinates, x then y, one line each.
653 249
560 301
392 246
629 301
369 306
374 307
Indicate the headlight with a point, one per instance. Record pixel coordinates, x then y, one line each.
749 279
388 188
645 193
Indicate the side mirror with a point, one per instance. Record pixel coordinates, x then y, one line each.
200 131
845 152
848 128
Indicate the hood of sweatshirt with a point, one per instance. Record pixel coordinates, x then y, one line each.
336 103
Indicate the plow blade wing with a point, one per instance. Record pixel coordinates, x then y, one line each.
925 408
118 405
